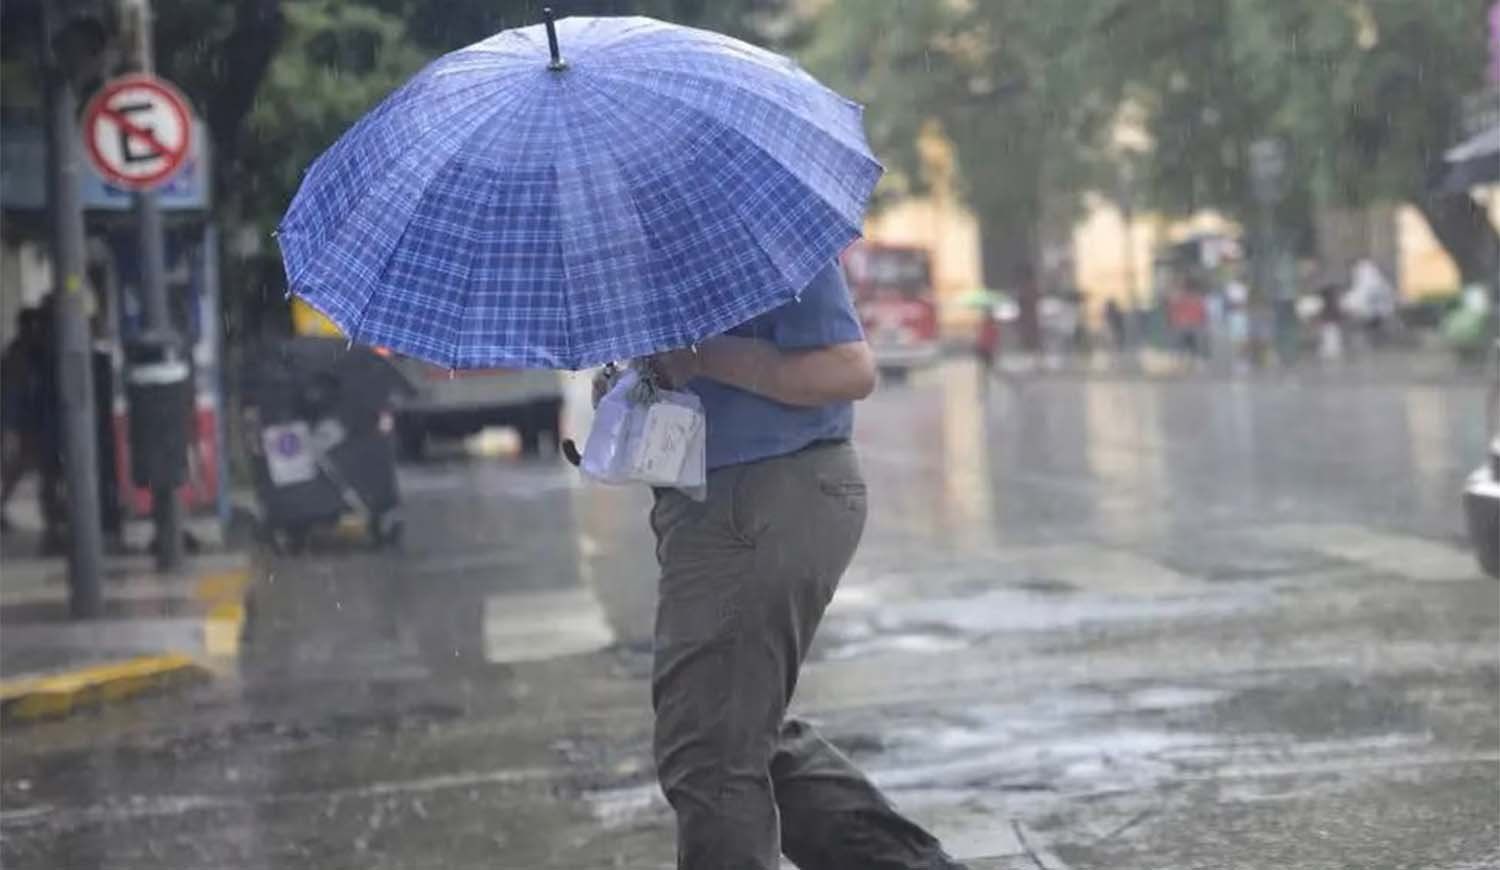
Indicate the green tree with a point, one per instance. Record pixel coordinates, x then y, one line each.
443 25
1367 94
337 60
218 53
1004 81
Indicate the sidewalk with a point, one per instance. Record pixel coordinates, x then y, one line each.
155 630
1415 366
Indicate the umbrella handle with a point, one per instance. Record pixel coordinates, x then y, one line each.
557 60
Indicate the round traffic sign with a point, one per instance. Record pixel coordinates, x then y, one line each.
138 131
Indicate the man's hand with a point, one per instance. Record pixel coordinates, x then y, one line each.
604 379
676 367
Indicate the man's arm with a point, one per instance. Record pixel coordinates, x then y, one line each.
807 378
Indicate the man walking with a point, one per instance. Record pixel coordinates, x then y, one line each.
745 578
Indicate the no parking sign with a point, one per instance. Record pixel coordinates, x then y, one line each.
138 131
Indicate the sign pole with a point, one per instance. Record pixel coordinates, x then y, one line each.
165 506
72 345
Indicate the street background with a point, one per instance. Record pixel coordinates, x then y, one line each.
1182 578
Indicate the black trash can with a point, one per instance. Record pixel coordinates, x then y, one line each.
159 388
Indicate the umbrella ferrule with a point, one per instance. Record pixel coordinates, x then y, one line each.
557 63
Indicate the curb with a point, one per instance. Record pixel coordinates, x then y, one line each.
224 594
61 693
57 695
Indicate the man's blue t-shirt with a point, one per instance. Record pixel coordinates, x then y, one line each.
744 427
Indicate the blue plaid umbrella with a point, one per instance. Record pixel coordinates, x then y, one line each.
651 186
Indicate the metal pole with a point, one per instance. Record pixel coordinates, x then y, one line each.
74 363
166 509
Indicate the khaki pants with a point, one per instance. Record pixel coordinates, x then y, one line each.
745 578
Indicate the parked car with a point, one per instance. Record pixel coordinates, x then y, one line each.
457 404
1482 489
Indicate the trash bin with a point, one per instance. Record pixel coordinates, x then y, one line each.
158 386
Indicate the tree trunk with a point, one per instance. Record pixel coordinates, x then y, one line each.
1008 254
1464 230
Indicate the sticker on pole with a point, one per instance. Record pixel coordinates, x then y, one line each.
138 131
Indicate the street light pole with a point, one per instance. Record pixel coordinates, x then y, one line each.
75 377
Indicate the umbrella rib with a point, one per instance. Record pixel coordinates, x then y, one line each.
385 265
791 170
697 41
688 337
372 183
607 143
567 304
837 132
797 282
616 108
456 361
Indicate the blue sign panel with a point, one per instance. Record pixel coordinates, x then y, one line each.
23 176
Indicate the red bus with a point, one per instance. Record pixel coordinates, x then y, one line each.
894 296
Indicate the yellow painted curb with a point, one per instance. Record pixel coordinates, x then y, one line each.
59 694
222 586
225 594
221 629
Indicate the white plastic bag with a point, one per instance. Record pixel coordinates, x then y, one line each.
642 434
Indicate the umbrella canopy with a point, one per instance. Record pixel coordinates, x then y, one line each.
644 188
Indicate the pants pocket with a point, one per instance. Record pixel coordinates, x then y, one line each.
850 494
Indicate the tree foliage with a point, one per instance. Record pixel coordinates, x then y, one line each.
327 62
1000 80
1366 94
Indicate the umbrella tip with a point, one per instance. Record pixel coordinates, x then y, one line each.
557 59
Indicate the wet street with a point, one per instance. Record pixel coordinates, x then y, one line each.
1094 623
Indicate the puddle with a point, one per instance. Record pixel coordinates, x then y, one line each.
865 625
1172 697
534 626
1319 708
626 806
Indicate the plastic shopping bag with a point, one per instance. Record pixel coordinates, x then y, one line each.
644 434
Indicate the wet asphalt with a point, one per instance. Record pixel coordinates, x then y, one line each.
1096 622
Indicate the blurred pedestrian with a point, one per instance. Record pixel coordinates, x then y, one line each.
1060 323
745 578
987 344
1330 324
111 517
1371 301
1114 321
31 420
18 420
1188 316
1237 321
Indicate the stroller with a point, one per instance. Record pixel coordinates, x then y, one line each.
319 425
